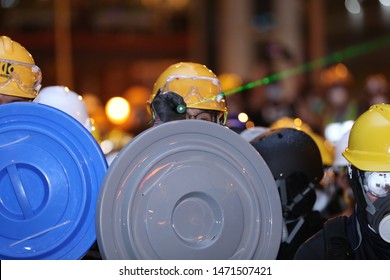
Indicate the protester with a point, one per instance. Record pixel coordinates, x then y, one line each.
20 78
188 90
295 162
365 234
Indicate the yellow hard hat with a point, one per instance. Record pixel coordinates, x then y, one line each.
198 85
296 123
229 81
369 140
19 76
326 148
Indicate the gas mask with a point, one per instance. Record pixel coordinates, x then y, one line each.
373 191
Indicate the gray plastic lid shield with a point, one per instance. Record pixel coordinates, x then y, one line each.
188 190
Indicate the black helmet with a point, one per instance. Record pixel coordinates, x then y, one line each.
288 151
295 162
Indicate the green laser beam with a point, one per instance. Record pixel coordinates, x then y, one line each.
335 57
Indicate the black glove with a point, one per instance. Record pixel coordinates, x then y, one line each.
169 106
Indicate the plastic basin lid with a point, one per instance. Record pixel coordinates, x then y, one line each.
51 169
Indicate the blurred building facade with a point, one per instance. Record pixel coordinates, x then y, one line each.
104 47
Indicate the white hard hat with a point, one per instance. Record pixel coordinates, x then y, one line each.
251 133
62 98
341 145
334 131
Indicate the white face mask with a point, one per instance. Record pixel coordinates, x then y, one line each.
337 96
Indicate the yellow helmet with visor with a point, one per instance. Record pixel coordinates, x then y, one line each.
198 85
19 76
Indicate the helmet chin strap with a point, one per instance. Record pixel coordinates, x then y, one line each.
287 237
281 183
359 234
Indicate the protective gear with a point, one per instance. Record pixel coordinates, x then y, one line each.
196 84
326 148
295 163
339 161
19 76
369 151
334 131
369 146
296 123
281 149
340 171
377 183
251 133
68 101
376 213
325 190
229 81
180 192
169 106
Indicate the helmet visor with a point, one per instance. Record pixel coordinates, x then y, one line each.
377 183
27 76
195 90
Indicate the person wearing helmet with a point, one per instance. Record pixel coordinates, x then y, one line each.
70 102
188 90
20 78
296 165
325 190
365 234
66 100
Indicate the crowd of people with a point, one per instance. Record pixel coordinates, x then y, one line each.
334 190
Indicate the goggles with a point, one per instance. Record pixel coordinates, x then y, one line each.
377 183
204 116
27 76
195 90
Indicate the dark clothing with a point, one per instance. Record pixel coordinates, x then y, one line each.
363 243
316 247
93 253
312 223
